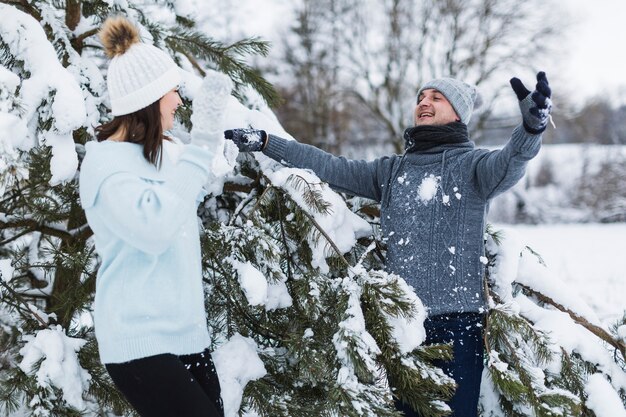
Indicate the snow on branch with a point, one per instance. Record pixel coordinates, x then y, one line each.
546 348
340 226
595 329
44 79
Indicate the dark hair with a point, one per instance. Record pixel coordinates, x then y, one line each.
142 126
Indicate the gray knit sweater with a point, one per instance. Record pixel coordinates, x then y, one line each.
433 208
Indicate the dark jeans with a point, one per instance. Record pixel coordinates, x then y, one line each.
170 386
465 331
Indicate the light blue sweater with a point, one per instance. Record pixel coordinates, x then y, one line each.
149 293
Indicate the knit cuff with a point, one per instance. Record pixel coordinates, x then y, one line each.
525 143
275 147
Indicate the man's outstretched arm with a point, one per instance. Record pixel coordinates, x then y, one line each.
356 177
497 171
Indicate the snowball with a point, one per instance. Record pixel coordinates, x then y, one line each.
428 188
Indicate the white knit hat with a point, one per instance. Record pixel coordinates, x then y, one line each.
462 96
139 74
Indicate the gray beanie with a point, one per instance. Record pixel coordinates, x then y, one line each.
461 96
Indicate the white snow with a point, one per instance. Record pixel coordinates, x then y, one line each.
588 258
6 269
257 289
237 363
602 399
621 332
428 188
341 225
558 325
60 367
277 296
409 333
252 282
9 81
353 338
505 268
27 41
573 337
13 136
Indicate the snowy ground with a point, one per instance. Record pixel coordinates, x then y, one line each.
591 257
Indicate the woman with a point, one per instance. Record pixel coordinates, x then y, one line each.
140 192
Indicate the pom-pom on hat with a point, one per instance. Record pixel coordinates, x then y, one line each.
462 96
139 74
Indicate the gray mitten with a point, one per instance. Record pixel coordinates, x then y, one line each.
209 106
536 106
247 140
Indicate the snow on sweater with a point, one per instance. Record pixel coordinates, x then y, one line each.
433 208
149 294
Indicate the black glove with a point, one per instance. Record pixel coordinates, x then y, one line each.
247 140
535 107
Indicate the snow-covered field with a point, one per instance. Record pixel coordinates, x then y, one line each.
590 257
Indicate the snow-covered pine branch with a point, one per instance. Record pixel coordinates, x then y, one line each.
547 352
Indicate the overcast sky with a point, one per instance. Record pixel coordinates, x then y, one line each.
597 58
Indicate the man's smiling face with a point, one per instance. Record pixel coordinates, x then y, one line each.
433 108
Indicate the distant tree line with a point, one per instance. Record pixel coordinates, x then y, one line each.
349 71
598 121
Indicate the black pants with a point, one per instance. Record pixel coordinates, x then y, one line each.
465 332
170 386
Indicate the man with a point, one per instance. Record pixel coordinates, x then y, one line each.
434 200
